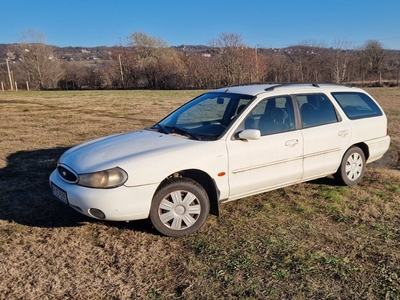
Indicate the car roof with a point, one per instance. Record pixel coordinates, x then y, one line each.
255 89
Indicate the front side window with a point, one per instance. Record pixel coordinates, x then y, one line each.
316 109
272 115
357 105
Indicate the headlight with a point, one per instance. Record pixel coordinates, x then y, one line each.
104 179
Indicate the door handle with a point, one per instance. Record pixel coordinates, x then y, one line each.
343 133
291 143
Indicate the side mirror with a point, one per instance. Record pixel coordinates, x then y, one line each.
250 134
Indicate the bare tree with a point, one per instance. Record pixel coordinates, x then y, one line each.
121 69
155 59
36 60
339 61
232 57
374 55
277 66
308 63
371 58
4 74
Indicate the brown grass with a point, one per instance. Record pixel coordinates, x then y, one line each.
314 240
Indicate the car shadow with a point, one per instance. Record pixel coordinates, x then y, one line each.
325 181
26 197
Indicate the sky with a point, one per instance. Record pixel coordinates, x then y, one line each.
260 23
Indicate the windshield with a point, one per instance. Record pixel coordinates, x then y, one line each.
206 117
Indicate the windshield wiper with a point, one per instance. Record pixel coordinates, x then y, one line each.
183 132
159 128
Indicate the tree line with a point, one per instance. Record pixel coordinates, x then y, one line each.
146 62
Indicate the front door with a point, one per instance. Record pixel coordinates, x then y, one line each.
274 160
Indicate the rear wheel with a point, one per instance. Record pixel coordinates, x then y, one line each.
179 207
352 167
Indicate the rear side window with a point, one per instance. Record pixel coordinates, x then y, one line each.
316 109
357 105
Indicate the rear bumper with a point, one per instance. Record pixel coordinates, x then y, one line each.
377 148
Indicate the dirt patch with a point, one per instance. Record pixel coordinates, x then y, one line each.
390 160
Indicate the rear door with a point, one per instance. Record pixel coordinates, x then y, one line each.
326 137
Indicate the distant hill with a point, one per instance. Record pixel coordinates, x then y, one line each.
104 52
71 53
101 54
96 53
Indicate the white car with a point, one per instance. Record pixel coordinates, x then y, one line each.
224 145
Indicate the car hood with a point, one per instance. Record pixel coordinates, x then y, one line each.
116 150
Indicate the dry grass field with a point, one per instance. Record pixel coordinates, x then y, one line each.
315 240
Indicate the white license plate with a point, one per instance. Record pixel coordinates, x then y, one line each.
59 193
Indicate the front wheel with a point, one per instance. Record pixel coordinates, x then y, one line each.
179 207
352 167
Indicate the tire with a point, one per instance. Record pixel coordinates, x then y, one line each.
352 167
179 207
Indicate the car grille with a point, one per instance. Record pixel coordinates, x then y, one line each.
67 175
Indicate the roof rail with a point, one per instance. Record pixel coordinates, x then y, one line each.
314 84
251 83
275 85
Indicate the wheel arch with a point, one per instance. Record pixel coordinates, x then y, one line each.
364 147
355 172
205 181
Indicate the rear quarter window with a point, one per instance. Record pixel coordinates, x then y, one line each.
357 105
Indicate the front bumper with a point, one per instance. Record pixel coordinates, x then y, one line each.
118 204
